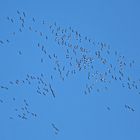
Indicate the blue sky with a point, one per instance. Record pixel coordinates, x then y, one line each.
97 115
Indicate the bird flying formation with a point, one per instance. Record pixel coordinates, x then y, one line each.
52 54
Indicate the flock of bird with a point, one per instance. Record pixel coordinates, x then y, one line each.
24 111
79 54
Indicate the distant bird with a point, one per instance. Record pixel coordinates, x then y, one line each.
20 53
53 125
108 108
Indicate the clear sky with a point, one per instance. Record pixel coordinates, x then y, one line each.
60 110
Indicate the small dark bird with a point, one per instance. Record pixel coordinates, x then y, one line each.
20 53
108 108
24 14
53 125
